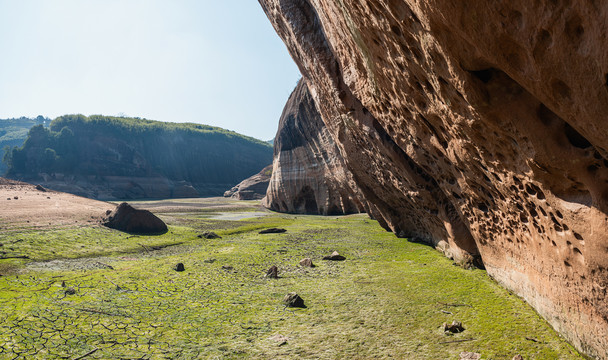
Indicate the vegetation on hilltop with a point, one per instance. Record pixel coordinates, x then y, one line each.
118 146
13 132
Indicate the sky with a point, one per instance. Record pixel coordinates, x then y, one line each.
215 62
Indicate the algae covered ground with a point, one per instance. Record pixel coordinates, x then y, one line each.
94 293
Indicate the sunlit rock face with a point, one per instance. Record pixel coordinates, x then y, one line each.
308 172
477 126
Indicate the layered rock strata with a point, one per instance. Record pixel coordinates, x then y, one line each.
478 127
308 175
252 188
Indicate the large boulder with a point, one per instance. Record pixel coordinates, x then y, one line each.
127 218
252 188
477 126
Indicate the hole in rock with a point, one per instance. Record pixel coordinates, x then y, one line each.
484 75
578 236
575 138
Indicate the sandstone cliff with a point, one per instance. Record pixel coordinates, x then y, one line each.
309 175
252 188
476 126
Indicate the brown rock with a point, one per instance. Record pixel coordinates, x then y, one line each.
454 327
127 218
252 188
179 267
479 124
518 357
306 262
208 235
273 272
335 256
466 355
309 176
293 300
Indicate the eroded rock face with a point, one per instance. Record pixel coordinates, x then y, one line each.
309 176
477 127
252 188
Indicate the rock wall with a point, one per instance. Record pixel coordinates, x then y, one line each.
308 176
476 126
252 188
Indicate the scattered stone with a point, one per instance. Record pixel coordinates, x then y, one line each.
70 291
227 267
273 272
16 197
466 355
127 218
63 284
48 197
272 231
208 235
293 300
454 327
209 261
306 262
280 339
179 267
335 256
518 357
40 188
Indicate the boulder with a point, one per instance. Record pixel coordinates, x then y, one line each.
335 256
306 262
208 235
273 272
128 219
252 188
293 300
454 327
179 267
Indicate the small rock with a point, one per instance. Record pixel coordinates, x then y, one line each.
48 197
306 262
293 300
334 256
466 355
63 284
280 339
273 272
70 291
272 231
518 357
209 261
16 197
209 235
179 267
8 198
227 267
40 188
454 327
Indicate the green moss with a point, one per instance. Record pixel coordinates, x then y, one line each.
386 300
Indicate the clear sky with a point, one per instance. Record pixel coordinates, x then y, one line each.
216 62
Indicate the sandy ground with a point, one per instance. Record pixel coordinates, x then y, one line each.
23 206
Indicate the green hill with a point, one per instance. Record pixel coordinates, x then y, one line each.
116 157
13 132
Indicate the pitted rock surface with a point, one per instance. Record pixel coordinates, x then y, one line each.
477 127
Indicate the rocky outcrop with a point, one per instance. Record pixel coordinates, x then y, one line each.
309 176
477 127
252 188
135 221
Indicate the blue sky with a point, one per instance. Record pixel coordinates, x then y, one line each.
217 62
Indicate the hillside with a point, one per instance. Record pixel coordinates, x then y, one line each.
13 132
120 158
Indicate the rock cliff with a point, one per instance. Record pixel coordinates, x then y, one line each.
252 188
309 176
477 127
